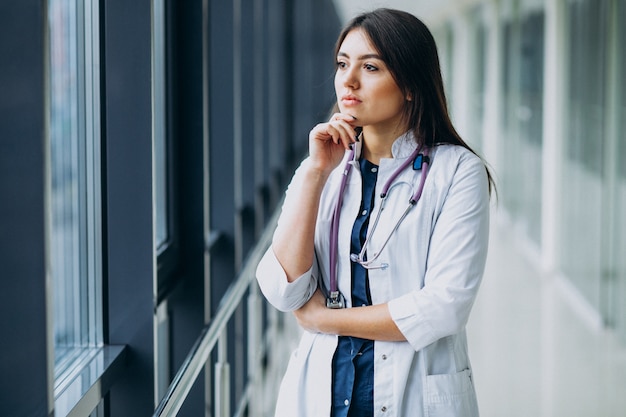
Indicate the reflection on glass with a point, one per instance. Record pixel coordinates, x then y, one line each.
74 244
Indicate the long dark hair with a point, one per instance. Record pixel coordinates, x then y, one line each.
408 49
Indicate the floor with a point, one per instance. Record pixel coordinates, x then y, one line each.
535 349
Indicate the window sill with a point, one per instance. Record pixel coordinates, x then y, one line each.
79 390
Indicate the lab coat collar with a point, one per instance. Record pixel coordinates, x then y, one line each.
401 148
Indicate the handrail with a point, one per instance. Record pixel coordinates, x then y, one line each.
197 357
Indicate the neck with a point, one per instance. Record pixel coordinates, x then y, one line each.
377 144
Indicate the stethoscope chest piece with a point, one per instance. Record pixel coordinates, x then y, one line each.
335 300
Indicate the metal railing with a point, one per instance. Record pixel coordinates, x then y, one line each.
215 335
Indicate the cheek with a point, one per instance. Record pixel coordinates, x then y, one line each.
393 98
390 90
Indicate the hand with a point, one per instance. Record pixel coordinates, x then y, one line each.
329 141
310 316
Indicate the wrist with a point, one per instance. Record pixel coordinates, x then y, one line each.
326 322
317 175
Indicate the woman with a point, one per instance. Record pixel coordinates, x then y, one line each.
382 293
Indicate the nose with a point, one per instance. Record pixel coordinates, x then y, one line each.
350 78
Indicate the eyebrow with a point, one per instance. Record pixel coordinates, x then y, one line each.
362 57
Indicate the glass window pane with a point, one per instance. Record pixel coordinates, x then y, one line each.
621 45
508 151
159 123
620 259
522 120
529 114
477 81
74 124
581 256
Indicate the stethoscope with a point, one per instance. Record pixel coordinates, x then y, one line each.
420 160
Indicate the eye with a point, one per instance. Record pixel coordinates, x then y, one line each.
370 67
341 64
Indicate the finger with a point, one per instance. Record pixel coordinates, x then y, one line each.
324 132
341 133
334 133
344 126
342 116
346 131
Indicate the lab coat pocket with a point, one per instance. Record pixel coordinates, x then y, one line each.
450 395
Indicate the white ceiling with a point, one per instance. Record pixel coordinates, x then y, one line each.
427 10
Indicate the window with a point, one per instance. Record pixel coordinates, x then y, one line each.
164 187
620 183
478 56
159 124
74 239
160 187
522 119
510 179
529 114
585 142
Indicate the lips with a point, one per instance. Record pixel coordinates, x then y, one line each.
350 100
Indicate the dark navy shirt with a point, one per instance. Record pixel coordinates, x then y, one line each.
353 363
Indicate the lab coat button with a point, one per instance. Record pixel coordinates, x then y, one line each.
384 357
383 409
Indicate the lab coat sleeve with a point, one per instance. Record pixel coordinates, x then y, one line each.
455 263
272 279
282 294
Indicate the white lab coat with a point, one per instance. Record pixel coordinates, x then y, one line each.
436 261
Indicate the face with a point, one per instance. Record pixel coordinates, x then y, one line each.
364 86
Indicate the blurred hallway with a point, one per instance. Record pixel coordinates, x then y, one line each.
534 350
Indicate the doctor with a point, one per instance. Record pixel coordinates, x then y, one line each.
382 294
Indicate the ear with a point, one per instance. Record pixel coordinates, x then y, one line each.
409 97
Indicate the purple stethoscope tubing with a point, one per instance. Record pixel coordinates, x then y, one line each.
334 233
334 236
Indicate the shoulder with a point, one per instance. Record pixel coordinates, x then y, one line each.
454 164
455 155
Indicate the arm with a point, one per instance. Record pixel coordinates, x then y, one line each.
286 273
293 242
369 322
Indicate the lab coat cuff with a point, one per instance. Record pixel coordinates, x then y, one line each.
282 294
413 325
